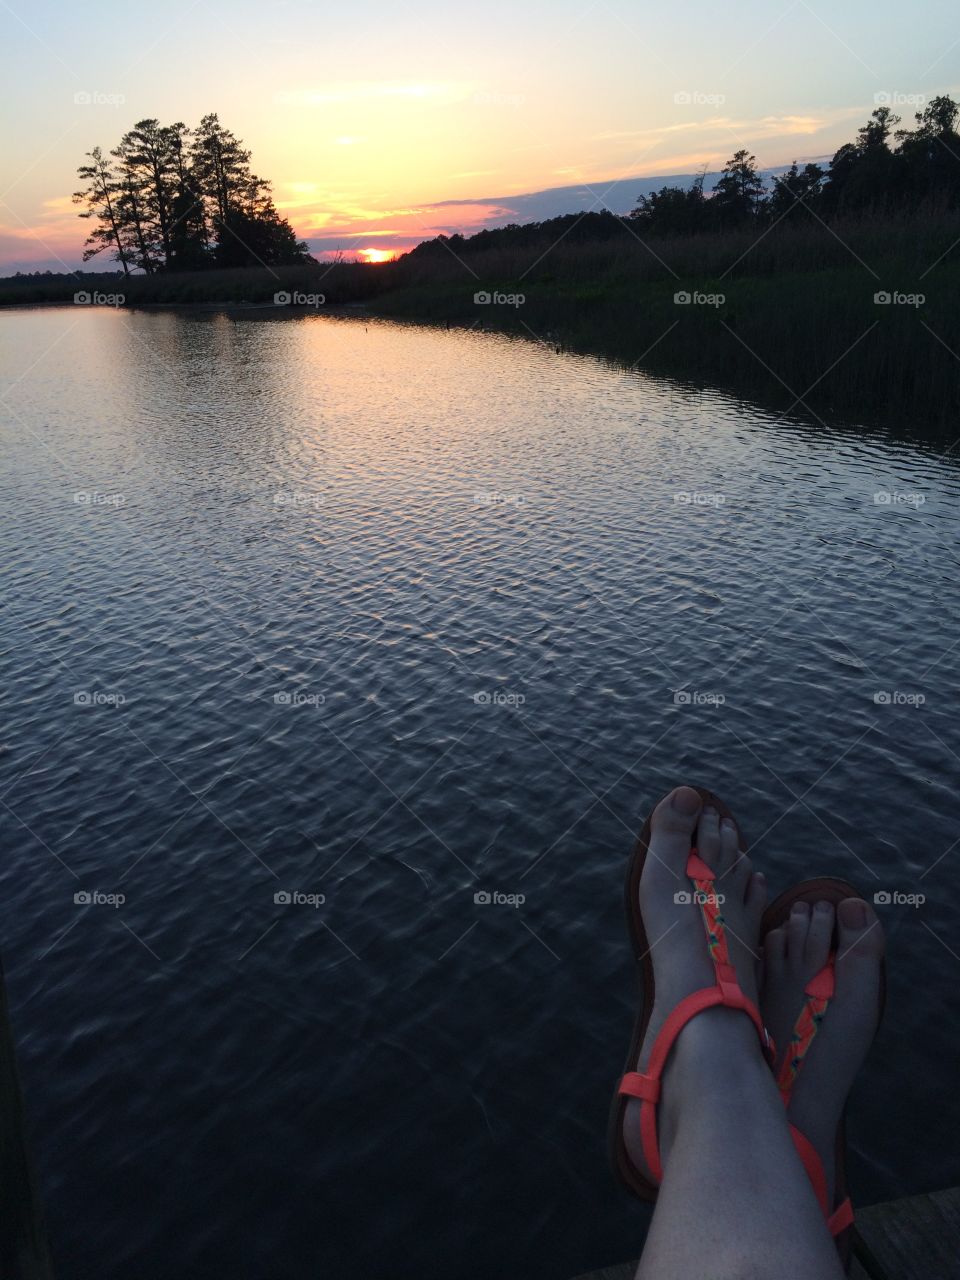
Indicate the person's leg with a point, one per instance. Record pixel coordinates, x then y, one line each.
735 1202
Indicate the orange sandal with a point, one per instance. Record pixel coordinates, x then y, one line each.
725 991
819 992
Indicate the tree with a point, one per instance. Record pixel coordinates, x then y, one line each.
739 190
146 154
261 238
931 152
245 222
101 196
221 170
866 174
875 134
189 242
672 210
172 199
797 189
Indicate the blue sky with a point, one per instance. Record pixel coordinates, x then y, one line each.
382 123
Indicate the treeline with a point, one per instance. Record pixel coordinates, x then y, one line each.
171 198
885 171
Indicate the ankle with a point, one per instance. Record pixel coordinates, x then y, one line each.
716 1074
718 1051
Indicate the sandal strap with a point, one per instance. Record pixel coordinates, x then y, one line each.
842 1216
646 1085
818 993
725 992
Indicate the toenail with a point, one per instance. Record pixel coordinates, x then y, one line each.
800 909
685 800
728 824
710 812
822 908
853 913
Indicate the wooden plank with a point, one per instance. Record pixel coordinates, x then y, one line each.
23 1246
627 1270
916 1238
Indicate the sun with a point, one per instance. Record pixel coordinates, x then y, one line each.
376 255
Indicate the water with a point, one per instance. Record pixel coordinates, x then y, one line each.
444 662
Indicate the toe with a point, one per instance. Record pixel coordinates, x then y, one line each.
756 895
672 826
859 938
819 937
859 948
798 926
775 951
727 858
708 837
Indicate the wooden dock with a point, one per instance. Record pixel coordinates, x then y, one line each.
917 1238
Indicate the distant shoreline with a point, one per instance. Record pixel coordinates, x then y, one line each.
849 322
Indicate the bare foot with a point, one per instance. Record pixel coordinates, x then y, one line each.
678 944
793 954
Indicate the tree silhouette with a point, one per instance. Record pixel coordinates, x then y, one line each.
932 152
672 210
795 192
101 195
172 199
739 190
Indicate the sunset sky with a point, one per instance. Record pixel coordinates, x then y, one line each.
381 124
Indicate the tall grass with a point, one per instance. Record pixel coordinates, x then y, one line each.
798 324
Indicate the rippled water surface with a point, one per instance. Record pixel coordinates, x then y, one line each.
398 616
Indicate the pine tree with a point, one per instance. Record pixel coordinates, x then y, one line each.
739 190
101 196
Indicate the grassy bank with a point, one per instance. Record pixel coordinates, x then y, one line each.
816 337
786 317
